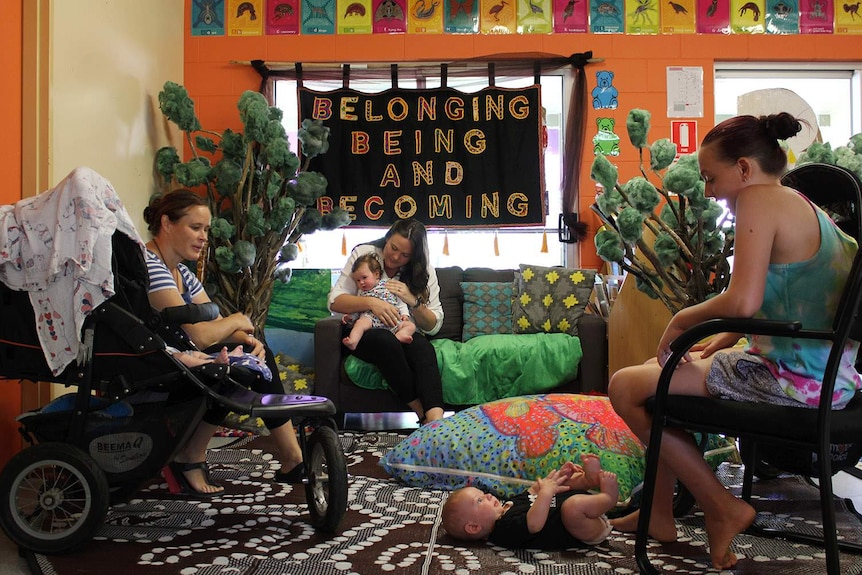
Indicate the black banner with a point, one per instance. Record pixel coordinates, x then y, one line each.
445 157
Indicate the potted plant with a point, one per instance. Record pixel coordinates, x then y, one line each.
659 226
261 196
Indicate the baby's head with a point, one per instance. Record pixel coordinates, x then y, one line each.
470 514
366 271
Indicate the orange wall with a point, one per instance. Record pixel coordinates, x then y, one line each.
10 191
639 64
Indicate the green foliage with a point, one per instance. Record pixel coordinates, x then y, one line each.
848 157
659 226
261 197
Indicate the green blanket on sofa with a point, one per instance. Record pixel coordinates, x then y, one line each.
491 367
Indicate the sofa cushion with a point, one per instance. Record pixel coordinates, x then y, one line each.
487 308
452 300
491 366
551 300
521 437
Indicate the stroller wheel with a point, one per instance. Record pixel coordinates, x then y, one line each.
326 490
56 498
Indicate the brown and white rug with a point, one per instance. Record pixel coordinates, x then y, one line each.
261 528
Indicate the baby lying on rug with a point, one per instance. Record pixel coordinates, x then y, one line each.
578 517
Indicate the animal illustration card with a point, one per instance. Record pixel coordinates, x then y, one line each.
746 16
497 16
782 17
208 18
282 16
848 17
816 17
425 17
641 16
606 16
245 17
318 17
354 16
461 16
389 17
713 16
570 16
677 17
535 17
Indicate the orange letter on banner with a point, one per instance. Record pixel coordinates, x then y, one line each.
519 112
455 108
373 215
346 110
399 115
454 173
518 205
369 114
474 141
359 143
405 214
491 204
420 173
390 176
443 140
324 204
391 144
468 206
493 108
346 203
322 109
427 107
440 207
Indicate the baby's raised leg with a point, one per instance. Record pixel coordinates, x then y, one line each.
584 515
360 326
405 331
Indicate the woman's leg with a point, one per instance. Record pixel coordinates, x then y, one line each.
379 347
422 359
195 451
725 515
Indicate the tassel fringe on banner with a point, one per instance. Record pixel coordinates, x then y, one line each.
445 243
496 245
544 249
344 243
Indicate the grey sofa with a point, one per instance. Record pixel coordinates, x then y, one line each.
329 353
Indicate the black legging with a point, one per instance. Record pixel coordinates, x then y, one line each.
216 414
410 369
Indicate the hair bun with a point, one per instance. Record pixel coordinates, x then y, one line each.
781 126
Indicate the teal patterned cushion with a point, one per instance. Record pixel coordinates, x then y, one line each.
487 308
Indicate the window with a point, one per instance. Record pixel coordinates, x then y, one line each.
832 91
466 247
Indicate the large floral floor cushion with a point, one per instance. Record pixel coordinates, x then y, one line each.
522 438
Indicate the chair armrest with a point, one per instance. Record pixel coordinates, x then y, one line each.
327 357
593 370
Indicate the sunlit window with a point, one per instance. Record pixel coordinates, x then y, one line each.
465 247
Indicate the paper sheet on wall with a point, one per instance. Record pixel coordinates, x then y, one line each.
684 92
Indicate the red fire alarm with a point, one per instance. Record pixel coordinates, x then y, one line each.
683 133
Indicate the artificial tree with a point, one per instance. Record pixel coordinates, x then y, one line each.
261 197
682 259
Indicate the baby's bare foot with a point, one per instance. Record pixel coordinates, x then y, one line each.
609 485
592 468
222 356
403 338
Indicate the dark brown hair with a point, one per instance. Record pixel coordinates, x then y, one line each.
415 272
371 261
754 137
174 204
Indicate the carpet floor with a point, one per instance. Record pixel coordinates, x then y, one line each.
260 528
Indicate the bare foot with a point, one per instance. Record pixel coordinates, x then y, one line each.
351 345
221 356
721 529
404 338
661 529
592 469
609 485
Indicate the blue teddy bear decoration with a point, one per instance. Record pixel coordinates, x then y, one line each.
604 94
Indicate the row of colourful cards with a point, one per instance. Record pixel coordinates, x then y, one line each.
272 17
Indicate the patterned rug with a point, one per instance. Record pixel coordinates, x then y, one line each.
260 528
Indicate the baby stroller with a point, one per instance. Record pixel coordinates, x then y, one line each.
133 408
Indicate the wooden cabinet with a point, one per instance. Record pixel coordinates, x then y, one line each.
635 327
